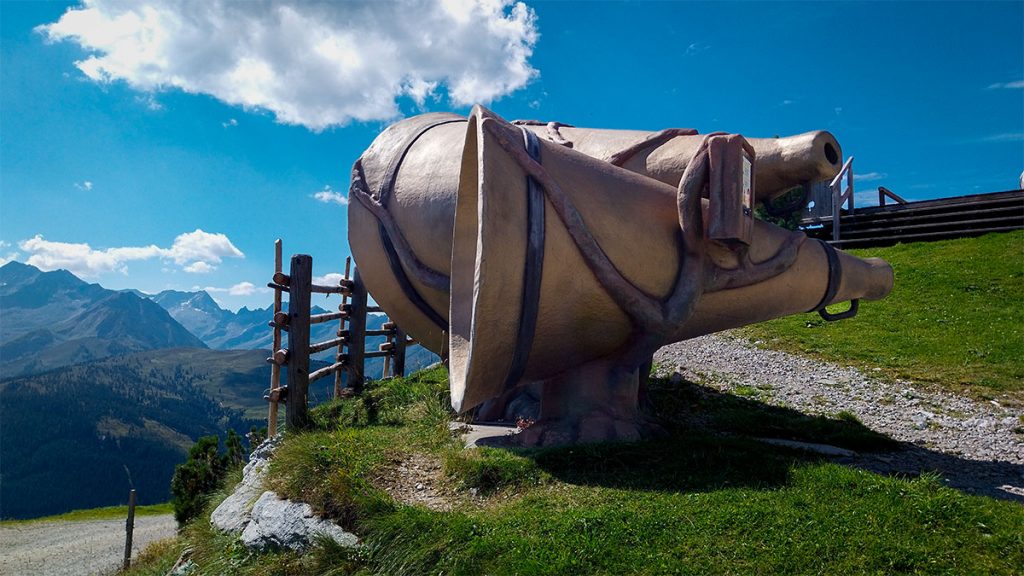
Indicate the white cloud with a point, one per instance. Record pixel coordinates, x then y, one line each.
202 246
1015 85
1004 137
10 255
199 267
329 279
329 196
240 289
230 123
85 186
194 251
864 198
786 102
150 102
869 176
316 64
696 48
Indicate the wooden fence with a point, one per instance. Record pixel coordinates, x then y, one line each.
350 339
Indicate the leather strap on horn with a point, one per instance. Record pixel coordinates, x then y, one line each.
656 139
553 132
403 282
390 233
835 274
533 268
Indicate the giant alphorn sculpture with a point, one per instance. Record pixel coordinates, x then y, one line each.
546 253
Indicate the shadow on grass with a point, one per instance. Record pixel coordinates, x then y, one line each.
711 444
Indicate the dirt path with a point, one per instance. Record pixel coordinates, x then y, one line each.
66 548
975 446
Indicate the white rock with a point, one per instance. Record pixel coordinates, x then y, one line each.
234 512
277 524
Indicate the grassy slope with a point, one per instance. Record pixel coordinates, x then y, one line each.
105 513
954 318
696 501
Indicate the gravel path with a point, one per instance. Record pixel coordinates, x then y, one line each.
72 548
976 446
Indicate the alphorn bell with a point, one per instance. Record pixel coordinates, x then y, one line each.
404 191
571 271
552 266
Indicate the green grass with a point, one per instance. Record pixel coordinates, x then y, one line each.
704 498
105 513
955 318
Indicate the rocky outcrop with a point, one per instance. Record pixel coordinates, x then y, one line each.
234 512
265 521
277 524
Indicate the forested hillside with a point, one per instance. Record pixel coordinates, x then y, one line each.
81 436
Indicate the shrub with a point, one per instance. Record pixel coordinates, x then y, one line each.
197 477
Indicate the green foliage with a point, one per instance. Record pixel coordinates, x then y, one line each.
157 559
104 513
777 210
236 455
490 470
954 317
196 478
256 436
201 474
69 434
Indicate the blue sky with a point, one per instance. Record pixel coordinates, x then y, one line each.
179 175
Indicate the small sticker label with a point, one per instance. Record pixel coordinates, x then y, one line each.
747 190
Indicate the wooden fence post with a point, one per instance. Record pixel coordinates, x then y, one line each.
341 327
129 528
398 368
357 334
275 368
299 289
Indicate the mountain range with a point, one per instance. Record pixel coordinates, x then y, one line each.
102 389
52 319
226 330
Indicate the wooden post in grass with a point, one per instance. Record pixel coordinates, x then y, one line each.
398 368
275 368
341 327
357 334
299 289
129 528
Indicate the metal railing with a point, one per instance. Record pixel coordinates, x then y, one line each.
884 193
841 195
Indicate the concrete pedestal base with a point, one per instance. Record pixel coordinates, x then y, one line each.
594 402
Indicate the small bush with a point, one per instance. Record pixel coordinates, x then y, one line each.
202 473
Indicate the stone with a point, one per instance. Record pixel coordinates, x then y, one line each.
826 449
277 524
185 569
488 434
233 513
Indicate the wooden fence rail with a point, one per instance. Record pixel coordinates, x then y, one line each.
350 340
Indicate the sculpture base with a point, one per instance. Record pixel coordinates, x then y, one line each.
595 402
